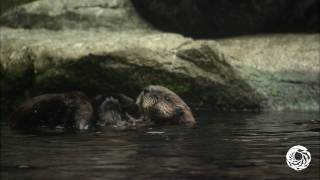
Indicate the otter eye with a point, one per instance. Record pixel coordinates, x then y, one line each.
146 90
167 98
153 96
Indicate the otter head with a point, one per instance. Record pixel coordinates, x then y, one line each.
160 105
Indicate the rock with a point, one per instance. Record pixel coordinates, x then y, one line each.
55 53
220 18
125 62
8 4
285 68
74 14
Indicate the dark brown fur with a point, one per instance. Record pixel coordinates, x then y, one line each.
72 111
118 111
160 105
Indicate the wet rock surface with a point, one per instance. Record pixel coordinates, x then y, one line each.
74 14
285 68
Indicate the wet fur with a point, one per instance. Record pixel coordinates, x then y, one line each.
160 105
72 111
118 111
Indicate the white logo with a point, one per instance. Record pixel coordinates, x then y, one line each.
298 158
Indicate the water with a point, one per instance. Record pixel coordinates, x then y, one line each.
226 145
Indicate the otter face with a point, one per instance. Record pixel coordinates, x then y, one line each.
161 105
109 112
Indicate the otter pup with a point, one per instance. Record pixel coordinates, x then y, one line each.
118 111
160 105
72 111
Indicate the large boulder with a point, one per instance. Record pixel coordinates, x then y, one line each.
107 62
285 68
75 14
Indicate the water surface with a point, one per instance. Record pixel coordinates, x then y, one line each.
224 145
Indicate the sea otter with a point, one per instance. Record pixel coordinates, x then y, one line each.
160 105
118 111
156 105
71 111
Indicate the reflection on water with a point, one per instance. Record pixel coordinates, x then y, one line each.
226 145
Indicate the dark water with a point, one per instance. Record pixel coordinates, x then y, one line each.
229 145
